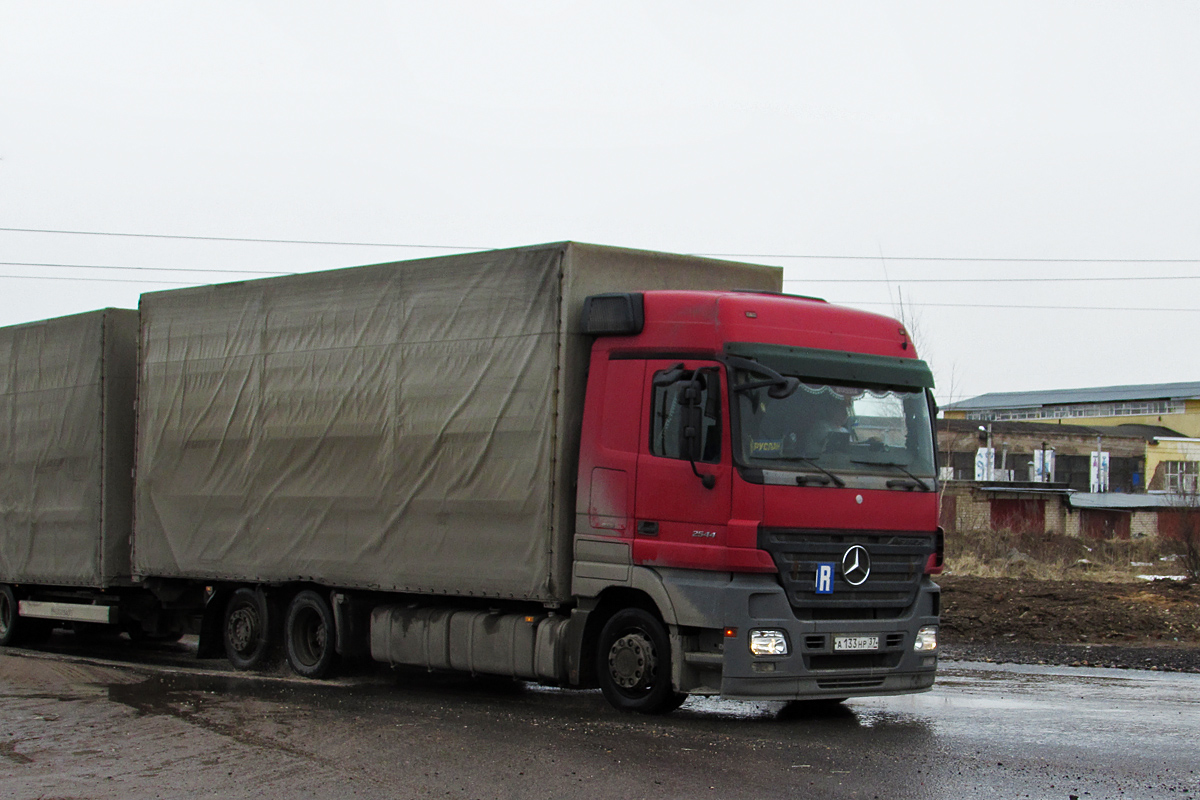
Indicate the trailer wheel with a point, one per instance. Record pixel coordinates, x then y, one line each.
9 620
247 631
308 635
633 664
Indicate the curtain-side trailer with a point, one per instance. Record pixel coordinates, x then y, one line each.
581 465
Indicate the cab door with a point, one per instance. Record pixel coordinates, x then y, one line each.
684 481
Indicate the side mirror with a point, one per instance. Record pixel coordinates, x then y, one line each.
690 441
693 421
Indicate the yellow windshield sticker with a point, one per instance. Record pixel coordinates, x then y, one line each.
766 448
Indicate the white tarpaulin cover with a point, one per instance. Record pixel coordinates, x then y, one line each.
66 449
409 426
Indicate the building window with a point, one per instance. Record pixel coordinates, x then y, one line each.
1134 408
1181 476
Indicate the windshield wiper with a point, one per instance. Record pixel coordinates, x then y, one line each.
924 486
836 480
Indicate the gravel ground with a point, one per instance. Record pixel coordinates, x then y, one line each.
1168 659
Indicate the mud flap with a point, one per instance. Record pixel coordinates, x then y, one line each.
352 620
211 645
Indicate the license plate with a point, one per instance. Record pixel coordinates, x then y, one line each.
856 643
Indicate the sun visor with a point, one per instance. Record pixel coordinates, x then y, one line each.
836 365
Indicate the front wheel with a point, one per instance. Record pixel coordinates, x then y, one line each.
308 635
633 663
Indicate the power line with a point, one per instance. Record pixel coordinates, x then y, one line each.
243 239
1018 307
810 256
97 280
996 280
995 260
788 280
837 302
148 269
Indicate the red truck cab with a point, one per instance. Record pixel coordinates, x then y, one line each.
757 476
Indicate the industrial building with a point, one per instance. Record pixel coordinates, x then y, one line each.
1114 461
1170 405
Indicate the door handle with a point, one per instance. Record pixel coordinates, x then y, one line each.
647 527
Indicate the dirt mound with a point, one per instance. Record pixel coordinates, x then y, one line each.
1016 611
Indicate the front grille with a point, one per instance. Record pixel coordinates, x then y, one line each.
824 613
897 565
855 661
850 683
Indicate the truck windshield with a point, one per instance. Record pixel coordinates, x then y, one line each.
839 428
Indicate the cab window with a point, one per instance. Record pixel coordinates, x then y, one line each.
677 396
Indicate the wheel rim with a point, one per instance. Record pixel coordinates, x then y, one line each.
633 662
242 629
309 636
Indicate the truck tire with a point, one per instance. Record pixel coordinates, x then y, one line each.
633 663
309 635
10 622
15 629
248 628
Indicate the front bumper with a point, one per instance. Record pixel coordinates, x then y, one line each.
708 660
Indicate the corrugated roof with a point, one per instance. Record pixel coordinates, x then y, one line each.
1116 501
1102 394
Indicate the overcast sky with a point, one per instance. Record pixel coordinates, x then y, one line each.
773 132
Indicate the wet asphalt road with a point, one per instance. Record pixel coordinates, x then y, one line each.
169 726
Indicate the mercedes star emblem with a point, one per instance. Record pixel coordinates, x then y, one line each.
856 565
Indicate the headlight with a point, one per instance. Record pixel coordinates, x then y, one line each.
768 643
926 639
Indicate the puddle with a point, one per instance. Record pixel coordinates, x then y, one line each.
192 699
9 750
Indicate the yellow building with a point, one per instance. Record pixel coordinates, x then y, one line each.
1173 465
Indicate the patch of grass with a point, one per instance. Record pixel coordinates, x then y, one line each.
1048 556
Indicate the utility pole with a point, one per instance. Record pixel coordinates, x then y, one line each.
991 455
